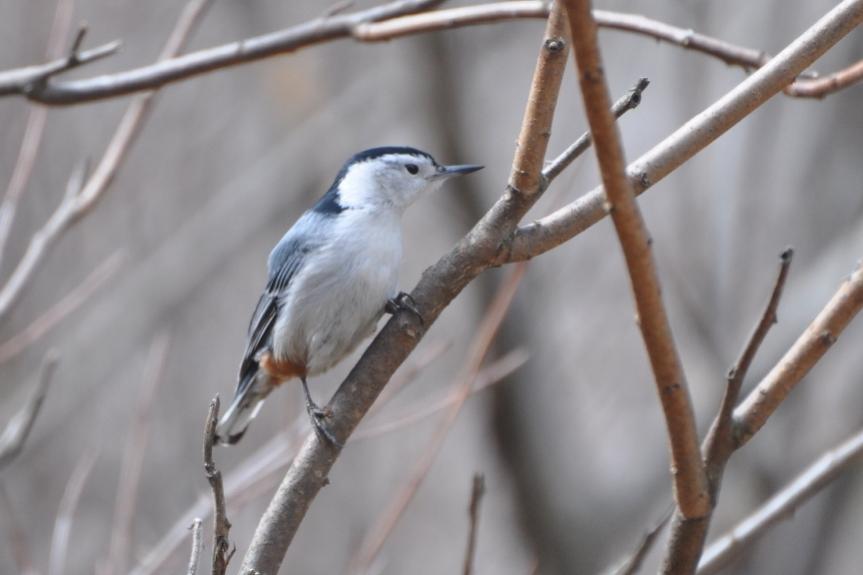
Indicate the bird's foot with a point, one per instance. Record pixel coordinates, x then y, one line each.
403 302
318 417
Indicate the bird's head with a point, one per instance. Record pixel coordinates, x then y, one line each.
390 177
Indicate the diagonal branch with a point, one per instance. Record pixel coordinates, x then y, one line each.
439 285
810 347
690 482
782 505
546 233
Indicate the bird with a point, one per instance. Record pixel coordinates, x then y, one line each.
331 278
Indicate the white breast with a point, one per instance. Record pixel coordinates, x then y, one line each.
337 298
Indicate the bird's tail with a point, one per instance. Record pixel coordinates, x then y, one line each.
246 405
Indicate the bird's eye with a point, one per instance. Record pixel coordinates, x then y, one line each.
412 168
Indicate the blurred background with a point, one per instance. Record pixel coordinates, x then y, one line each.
572 443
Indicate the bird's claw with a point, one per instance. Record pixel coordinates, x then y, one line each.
404 302
317 417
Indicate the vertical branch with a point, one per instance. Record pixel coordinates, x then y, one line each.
197 544
133 457
477 491
526 174
221 525
690 484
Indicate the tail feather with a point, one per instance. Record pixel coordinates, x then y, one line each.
247 403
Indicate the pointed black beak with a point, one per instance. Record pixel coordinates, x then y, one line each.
459 170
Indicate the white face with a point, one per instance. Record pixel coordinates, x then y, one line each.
395 180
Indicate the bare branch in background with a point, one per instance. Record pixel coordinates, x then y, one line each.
82 192
687 538
197 545
133 457
477 491
810 347
33 130
21 81
690 481
221 526
262 467
437 288
632 564
57 564
378 24
550 231
80 294
782 505
19 427
19 544
486 333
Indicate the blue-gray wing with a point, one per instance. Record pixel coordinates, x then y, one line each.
285 262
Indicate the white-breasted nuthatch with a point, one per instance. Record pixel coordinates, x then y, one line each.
331 278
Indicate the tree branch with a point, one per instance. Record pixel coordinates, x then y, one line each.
19 427
819 337
687 538
221 526
782 505
378 24
690 482
82 193
546 233
32 82
477 491
197 544
436 289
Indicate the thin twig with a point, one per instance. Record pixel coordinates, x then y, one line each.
197 545
686 541
133 456
812 481
378 24
476 493
719 442
703 129
66 512
33 130
625 103
221 526
485 335
68 304
632 564
690 483
19 427
80 199
809 348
